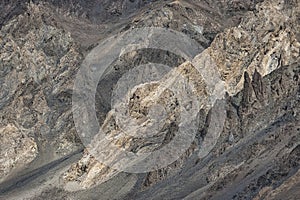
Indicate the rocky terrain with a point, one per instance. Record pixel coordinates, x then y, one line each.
243 74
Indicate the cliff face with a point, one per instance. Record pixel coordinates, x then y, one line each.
36 62
243 75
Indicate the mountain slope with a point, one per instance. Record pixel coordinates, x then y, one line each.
253 46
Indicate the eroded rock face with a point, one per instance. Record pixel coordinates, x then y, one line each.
257 153
77 178
261 44
150 116
17 148
264 41
35 59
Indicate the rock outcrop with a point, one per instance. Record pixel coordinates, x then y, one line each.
250 64
35 62
241 55
17 149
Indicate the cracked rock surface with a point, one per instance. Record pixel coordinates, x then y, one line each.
250 59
